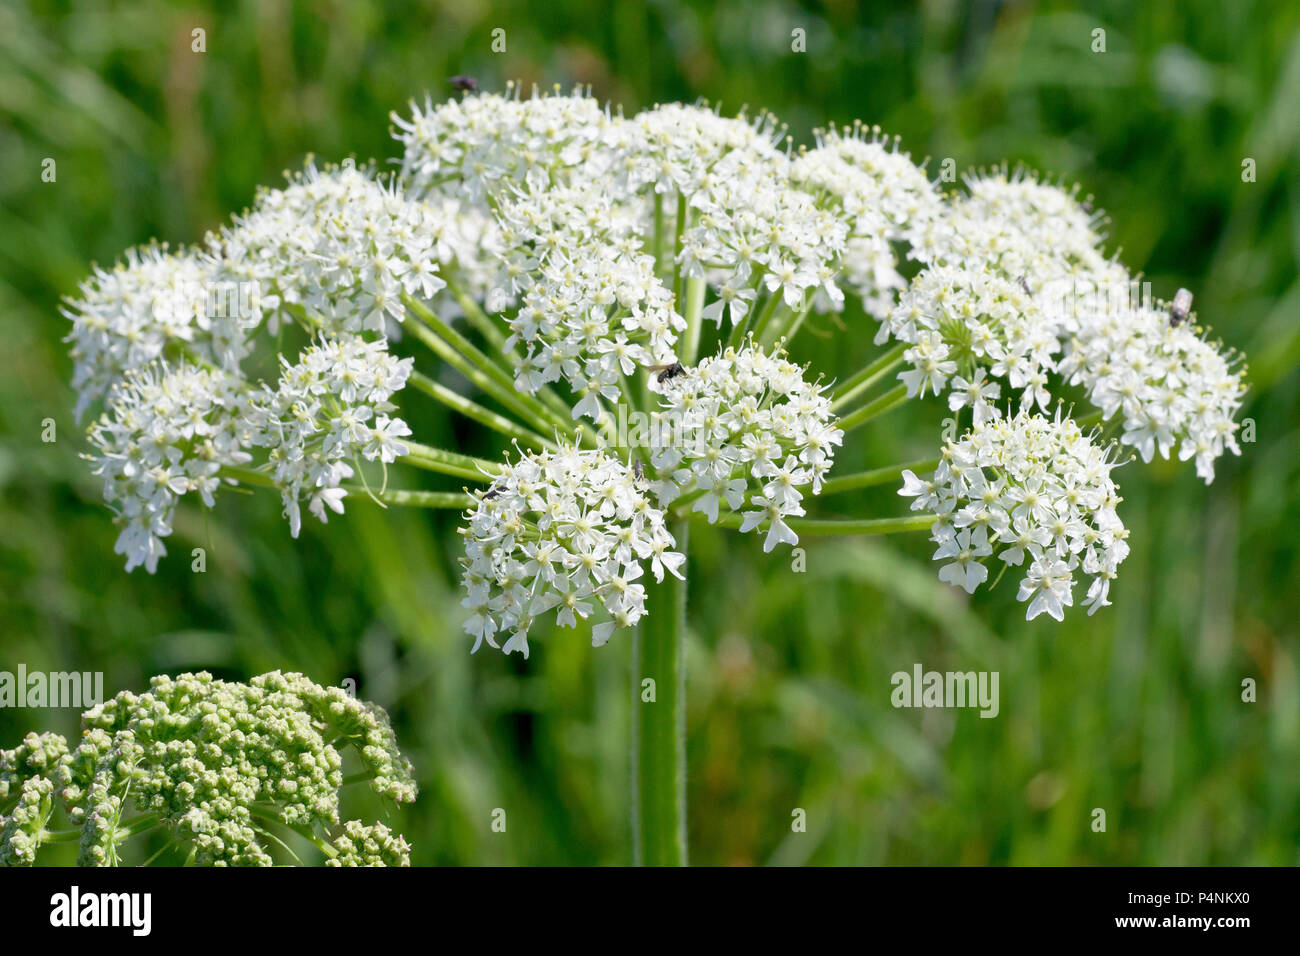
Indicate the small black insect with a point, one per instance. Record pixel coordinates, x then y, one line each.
1180 307
637 471
1024 284
464 83
491 493
667 372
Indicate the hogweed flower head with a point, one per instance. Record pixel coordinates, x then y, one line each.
225 768
1032 493
480 145
155 305
584 251
342 244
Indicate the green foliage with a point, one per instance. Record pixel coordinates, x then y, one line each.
1137 710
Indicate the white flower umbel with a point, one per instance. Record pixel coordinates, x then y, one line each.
679 149
1030 492
167 432
1171 388
744 431
156 304
591 308
883 196
753 232
342 245
482 144
965 324
567 532
329 407
593 317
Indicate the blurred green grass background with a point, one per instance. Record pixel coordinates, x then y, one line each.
1137 710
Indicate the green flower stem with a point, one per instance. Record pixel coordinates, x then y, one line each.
484 416
60 836
858 383
1092 418
450 462
390 496
769 318
677 243
695 288
874 409
840 526
476 317
659 232
786 327
877 476
659 725
248 476
461 354
414 499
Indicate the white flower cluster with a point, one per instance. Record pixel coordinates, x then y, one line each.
964 326
1169 386
593 316
678 149
564 532
884 198
166 433
987 305
750 226
745 431
155 305
341 244
1034 492
223 766
479 146
329 407
758 230
1016 290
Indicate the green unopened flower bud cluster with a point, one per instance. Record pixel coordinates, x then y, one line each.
228 770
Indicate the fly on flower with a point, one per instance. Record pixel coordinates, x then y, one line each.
667 372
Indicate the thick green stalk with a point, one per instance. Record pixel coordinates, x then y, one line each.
659 723
694 306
